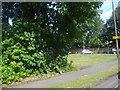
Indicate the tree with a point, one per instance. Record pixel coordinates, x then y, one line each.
40 36
109 32
57 20
92 31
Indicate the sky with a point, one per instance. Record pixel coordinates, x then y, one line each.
107 9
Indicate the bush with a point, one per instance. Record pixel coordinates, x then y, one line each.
19 62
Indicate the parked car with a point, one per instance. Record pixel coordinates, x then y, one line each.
87 52
69 52
114 51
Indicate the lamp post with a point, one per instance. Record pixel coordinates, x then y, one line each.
115 28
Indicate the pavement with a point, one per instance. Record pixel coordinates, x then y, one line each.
110 83
46 83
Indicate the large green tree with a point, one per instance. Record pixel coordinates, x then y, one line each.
58 20
92 31
110 29
41 34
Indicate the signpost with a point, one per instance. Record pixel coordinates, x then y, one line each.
116 37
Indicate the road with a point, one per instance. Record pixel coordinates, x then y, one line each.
65 77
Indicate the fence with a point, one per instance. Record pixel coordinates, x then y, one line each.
95 50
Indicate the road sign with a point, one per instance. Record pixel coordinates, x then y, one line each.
116 37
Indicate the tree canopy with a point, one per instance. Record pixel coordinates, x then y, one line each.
110 29
58 23
91 34
41 34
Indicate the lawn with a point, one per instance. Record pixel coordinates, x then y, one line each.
83 61
89 81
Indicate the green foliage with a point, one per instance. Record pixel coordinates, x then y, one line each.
91 37
60 65
65 24
19 62
41 34
107 34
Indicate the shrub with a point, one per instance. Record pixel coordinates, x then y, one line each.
19 62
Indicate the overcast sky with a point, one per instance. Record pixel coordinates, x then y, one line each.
107 9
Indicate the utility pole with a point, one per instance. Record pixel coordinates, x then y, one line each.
117 46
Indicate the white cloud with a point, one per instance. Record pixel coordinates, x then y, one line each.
106 15
107 9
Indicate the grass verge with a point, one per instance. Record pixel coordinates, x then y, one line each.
83 61
89 81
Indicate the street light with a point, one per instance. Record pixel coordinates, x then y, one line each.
115 28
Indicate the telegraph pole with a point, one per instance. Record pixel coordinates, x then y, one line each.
117 46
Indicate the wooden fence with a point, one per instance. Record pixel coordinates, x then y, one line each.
95 50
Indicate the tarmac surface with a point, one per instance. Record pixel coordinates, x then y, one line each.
46 83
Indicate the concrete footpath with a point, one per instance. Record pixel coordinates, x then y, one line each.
112 82
65 77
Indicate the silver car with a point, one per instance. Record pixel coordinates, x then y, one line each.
86 51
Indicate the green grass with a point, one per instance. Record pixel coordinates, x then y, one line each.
89 81
82 61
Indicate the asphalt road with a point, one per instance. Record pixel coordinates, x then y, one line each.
65 77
